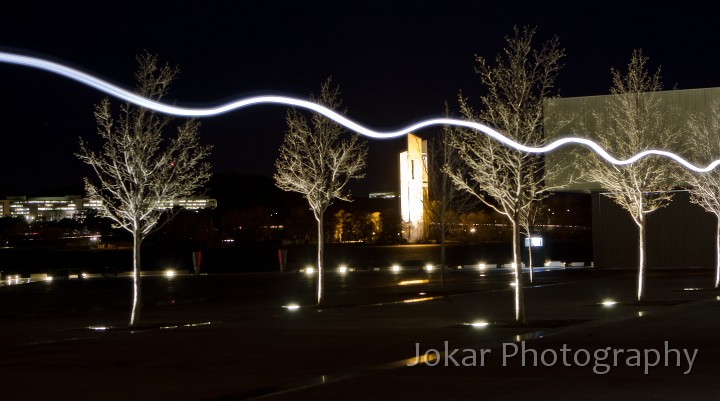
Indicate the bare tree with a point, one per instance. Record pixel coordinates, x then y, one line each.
317 162
704 131
635 119
505 179
446 201
138 171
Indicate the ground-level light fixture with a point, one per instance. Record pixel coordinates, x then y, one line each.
169 273
412 282
395 268
291 307
429 267
608 302
414 300
99 328
309 270
342 269
479 324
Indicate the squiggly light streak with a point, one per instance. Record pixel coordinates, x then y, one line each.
128 96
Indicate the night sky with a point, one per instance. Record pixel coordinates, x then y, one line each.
395 62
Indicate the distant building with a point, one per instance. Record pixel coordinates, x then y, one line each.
414 189
382 195
66 207
51 208
192 203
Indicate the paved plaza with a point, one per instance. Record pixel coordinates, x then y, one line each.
230 338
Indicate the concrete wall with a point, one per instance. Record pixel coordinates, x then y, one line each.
679 235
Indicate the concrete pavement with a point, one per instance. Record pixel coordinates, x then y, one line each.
359 352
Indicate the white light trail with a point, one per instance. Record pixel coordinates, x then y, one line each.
128 96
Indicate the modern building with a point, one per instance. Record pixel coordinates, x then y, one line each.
71 206
47 208
414 189
679 235
382 195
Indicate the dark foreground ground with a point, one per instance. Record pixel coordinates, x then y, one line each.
228 337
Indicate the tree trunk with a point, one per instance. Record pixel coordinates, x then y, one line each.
530 262
717 256
519 293
137 304
641 257
442 256
320 255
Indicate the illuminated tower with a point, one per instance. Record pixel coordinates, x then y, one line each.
414 189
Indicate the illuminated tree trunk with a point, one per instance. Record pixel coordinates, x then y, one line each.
717 255
641 257
517 263
137 304
320 255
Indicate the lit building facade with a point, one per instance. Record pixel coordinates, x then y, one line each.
414 189
67 207
50 208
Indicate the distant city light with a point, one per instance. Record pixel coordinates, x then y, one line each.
429 267
169 273
292 307
309 270
482 266
480 324
342 269
395 268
